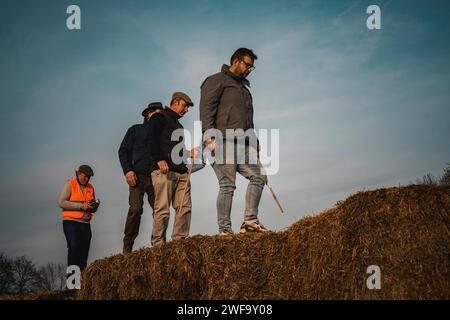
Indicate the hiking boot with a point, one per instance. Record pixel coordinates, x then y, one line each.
252 226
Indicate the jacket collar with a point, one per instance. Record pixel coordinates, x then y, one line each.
172 113
226 70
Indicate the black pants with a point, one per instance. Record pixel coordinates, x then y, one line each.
136 202
78 236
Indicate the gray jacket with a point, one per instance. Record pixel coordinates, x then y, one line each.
226 102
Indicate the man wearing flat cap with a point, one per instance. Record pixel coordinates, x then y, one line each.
78 204
135 159
169 171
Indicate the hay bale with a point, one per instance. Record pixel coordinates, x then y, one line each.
405 231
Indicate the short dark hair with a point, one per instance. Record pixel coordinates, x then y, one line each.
241 53
87 170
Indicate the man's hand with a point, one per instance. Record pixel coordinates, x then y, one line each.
211 144
131 178
163 166
194 152
93 206
85 206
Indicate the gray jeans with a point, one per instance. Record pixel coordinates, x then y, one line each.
226 175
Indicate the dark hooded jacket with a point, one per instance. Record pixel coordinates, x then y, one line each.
161 127
134 151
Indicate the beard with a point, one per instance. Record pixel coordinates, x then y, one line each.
243 74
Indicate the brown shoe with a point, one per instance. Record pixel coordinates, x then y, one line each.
226 233
254 226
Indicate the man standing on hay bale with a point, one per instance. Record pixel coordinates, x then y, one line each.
135 159
226 105
169 172
77 199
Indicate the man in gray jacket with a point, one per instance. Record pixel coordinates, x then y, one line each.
226 112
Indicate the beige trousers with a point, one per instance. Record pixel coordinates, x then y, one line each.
169 190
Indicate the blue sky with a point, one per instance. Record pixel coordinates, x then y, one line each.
357 109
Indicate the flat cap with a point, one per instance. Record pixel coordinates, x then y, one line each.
183 96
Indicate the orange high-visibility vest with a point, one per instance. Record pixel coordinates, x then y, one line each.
78 195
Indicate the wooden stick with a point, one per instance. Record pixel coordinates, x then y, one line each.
274 196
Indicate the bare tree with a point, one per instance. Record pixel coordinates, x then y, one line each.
26 277
21 276
52 277
428 180
6 275
445 178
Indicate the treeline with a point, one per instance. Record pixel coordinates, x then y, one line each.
431 180
21 276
